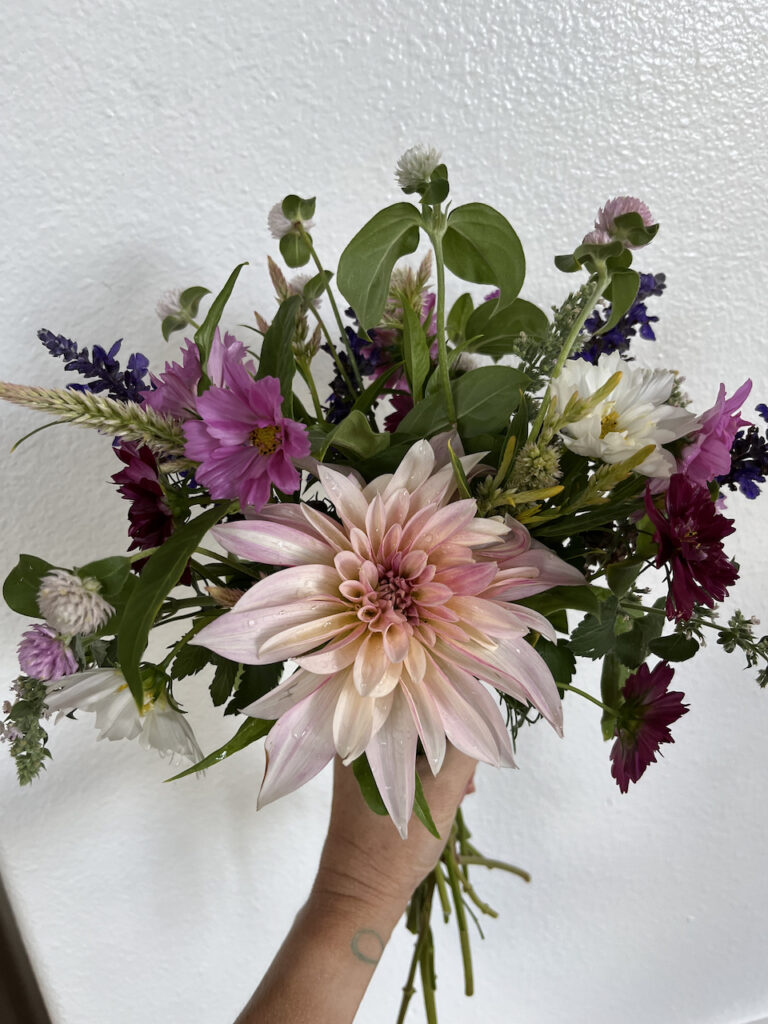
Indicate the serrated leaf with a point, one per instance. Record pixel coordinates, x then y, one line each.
204 334
675 647
190 660
159 577
480 245
595 635
251 730
22 584
560 659
223 680
422 811
368 786
366 265
621 576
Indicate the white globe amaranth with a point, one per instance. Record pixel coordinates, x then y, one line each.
72 605
415 166
279 225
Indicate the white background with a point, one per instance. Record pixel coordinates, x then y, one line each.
143 144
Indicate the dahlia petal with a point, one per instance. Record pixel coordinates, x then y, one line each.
290 691
470 579
352 722
346 496
415 468
336 655
371 664
297 583
446 522
272 543
428 721
416 661
397 640
241 635
463 725
490 617
300 744
325 527
392 757
306 635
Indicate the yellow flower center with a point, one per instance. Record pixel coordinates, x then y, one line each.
266 439
609 423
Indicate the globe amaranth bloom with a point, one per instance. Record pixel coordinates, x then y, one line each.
636 413
44 654
243 442
415 167
72 605
394 615
105 693
709 453
647 710
689 532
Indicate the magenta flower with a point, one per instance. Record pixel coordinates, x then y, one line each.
44 655
709 454
175 391
394 615
689 533
647 711
243 442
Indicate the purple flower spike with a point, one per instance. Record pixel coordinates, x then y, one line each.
44 655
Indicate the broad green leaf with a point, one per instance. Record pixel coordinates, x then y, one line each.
295 250
436 192
422 811
295 208
22 584
110 572
276 359
633 648
159 577
415 352
366 265
480 245
630 227
190 298
356 435
316 285
495 332
621 576
460 312
171 324
368 786
675 647
204 334
251 730
582 599
622 292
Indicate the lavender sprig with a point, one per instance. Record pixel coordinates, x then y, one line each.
619 337
122 385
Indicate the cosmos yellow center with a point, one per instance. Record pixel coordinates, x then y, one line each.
609 423
266 439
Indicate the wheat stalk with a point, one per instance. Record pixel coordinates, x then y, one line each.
129 420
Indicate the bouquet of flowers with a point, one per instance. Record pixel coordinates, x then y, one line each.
422 514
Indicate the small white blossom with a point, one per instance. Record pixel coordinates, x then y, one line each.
415 166
635 414
279 225
72 605
169 303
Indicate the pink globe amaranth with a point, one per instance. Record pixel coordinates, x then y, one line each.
709 453
397 615
44 654
604 222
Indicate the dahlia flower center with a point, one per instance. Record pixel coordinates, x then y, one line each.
266 439
609 423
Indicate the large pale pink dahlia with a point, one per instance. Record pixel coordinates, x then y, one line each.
393 616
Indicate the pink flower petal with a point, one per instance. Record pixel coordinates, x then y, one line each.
346 497
392 757
272 543
352 722
290 691
298 583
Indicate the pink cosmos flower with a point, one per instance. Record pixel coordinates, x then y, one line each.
709 454
394 615
243 442
44 654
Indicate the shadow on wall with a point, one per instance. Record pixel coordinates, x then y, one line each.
20 998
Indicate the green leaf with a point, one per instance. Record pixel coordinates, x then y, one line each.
621 576
613 675
295 208
295 250
675 647
253 682
595 635
189 300
366 265
459 474
485 400
495 332
460 312
633 647
22 584
356 435
415 352
190 660
630 227
251 730
316 285
204 334
276 358
436 191
621 293
223 681
368 786
364 401
110 572
480 245
422 811
159 577
581 599
560 659
172 323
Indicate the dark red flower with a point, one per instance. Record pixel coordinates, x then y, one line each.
689 533
645 715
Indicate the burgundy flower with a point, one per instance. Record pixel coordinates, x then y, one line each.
150 519
689 533
647 711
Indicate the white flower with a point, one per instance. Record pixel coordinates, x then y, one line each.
633 415
415 166
72 605
105 692
169 303
279 225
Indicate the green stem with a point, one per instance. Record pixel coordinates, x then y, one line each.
177 646
583 693
309 381
427 970
601 283
449 856
501 865
334 307
436 233
425 911
239 566
138 555
442 892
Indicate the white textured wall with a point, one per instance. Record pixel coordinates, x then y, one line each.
142 146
